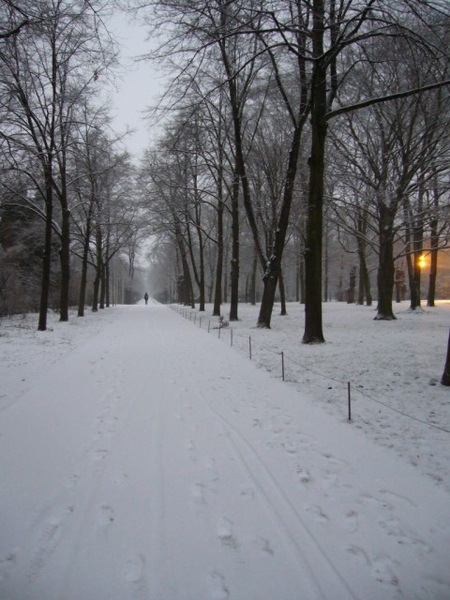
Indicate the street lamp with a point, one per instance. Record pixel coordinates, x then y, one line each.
421 262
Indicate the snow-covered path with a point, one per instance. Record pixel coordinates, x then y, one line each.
154 463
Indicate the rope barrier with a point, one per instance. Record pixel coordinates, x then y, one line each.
285 358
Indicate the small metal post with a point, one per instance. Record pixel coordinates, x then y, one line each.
231 337
250 347
349 402
282 365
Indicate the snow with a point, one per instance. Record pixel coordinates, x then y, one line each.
145 457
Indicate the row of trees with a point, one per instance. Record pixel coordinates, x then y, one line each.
261 89
66 187
304 140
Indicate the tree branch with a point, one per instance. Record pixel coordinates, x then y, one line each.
372 101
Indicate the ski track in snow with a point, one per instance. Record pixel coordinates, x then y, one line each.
255 509
287 519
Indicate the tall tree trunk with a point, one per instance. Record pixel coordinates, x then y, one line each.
414 293
364 282
254 271
414 229
433 269
102 286
201 243
363 279
273 265
96 290
64 255
185 283
386 270
283 309
47 258
301 278
98 268
202 293
219 264
107 285
434 245
235 249
326 266
84 268
313 333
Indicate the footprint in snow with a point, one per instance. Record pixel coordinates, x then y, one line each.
198 496
105 516
247 492
6 563
225 533
264 545
72 481
100 455
291 447
319 515
383 572
48 541
219 590
192 450
133 569
304 475
211 469
360 555
351 522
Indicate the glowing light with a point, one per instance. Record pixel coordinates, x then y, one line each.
421 262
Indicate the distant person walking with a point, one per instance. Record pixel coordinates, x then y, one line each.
146 297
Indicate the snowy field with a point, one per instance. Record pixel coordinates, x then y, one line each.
143 457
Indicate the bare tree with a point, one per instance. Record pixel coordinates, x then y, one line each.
44 73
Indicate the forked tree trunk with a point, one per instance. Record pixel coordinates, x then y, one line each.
273 266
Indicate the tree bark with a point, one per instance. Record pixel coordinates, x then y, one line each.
254 271
283 309
98 268
235 249
47 258
445 380
273 265
386 270
313 332
220 244
434 245
84 267
64 255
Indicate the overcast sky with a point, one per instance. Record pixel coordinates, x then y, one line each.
139 86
